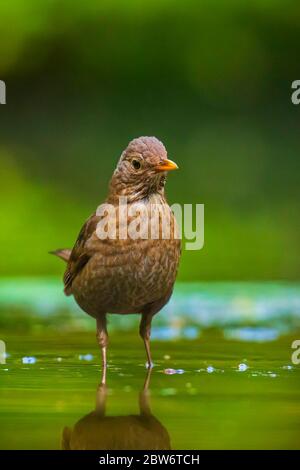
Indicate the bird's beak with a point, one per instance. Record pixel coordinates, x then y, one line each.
166 165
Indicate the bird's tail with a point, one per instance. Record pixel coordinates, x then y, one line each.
63 253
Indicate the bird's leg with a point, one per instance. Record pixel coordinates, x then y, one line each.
145 331
144 395
102 338
147 381
101 399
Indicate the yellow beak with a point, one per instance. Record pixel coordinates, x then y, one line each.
167 165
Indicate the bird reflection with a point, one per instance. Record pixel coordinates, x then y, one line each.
96 431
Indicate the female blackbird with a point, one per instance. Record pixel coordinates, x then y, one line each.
128 274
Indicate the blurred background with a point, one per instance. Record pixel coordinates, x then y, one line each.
211 79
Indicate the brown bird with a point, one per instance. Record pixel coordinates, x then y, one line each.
128 274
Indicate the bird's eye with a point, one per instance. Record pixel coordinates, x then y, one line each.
136 164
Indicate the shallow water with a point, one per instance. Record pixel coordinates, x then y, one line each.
210 392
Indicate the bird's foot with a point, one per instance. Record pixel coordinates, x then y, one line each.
149 365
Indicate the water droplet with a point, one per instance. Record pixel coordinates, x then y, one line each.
169 371
88 357
85 357
29 360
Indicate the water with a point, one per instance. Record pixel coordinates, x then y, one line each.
223 375
209 402
273 307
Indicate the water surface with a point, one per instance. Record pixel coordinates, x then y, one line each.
204 393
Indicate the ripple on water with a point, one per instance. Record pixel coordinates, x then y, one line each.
173 371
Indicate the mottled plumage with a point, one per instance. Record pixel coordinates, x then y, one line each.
132 275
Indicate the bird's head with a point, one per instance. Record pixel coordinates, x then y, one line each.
142 169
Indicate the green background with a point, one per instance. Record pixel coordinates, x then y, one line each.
211 79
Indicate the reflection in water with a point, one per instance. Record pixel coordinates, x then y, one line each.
96 431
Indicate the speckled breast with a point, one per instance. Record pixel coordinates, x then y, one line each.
123 276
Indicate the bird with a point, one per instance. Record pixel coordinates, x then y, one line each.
125 275
98 431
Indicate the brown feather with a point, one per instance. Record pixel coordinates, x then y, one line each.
63 253
80 254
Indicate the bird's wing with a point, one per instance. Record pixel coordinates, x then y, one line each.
81 253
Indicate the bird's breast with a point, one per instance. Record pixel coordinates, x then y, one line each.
124 275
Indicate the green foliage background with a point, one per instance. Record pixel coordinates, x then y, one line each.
211 79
